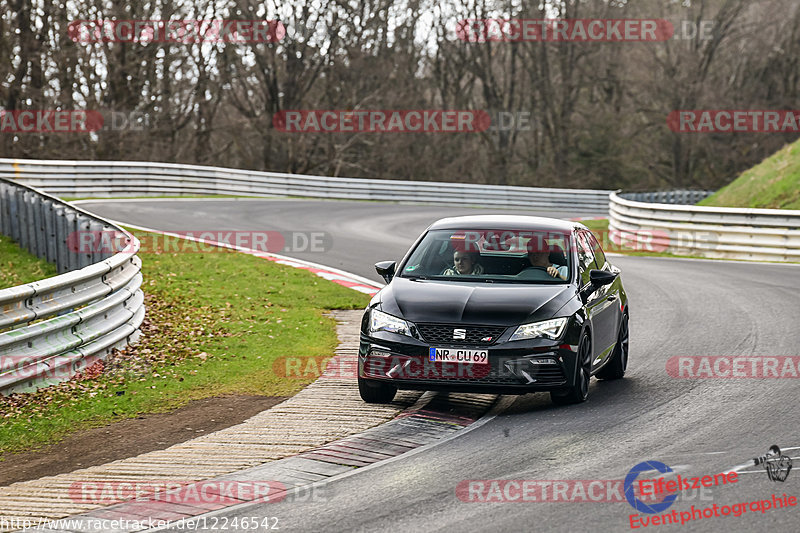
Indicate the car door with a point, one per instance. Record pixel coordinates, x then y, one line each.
600 306
612 292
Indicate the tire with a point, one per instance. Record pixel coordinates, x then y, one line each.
375 391
579 391
615 368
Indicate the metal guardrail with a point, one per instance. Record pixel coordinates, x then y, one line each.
669 197
714 232
119 179
53 328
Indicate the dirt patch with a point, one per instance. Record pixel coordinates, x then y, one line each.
129 438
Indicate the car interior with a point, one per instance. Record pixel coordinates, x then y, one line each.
497 264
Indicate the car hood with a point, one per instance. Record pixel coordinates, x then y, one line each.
494 304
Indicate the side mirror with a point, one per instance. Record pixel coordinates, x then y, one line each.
385 269
597 278
601 277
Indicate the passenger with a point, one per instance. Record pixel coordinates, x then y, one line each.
464 264
541 259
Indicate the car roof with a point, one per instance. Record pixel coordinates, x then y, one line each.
509 222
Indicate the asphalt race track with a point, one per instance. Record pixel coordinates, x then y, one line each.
359 234
696 426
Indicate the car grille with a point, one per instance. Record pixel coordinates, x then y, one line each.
476 335
499 371
499 374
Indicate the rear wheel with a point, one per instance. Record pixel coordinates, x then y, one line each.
579 391
615 368
376 391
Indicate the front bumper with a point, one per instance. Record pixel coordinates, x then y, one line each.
515 367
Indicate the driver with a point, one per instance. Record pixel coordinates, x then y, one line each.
541 259
464 264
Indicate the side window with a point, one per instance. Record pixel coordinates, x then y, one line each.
599 255
586 261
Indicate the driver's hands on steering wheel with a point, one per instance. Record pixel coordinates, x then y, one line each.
553 271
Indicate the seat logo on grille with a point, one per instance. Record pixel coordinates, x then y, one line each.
459 334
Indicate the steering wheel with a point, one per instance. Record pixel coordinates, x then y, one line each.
535 273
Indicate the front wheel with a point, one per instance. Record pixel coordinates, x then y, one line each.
375 391
615 368
579 391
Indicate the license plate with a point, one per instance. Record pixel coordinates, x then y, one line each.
459 355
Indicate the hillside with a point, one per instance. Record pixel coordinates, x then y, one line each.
774 183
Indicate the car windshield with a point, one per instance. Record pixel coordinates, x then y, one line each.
504 256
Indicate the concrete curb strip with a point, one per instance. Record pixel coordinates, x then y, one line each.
327 410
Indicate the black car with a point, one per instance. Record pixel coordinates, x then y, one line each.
496 304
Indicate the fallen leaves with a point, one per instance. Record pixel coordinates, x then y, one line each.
168 337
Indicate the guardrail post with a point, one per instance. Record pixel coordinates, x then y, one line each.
5 222
30 208
99 240
24 221
71 228
62 248
85 257
13 214
50 231
41 231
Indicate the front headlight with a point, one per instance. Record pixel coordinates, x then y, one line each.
549 329
380 321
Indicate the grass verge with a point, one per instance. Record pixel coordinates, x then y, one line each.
216 323
18 266
772 184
